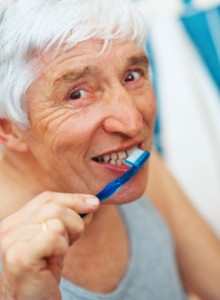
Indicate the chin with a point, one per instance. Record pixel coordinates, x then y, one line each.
131 191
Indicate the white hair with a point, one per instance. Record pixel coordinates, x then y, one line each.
28 26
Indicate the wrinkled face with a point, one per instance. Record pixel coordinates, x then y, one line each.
86 112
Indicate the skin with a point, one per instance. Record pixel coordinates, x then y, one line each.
46 158
94 123
114 110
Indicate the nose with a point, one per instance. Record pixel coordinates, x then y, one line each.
123 115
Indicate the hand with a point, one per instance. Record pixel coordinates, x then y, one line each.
35 240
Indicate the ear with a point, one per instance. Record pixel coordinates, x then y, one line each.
12 137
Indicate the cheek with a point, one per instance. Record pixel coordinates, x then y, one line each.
74 134
151 111
148 106
133 190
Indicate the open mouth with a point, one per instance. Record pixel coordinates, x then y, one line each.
114 158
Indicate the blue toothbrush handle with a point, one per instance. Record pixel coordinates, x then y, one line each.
115 185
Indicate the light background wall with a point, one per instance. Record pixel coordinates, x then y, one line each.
189 105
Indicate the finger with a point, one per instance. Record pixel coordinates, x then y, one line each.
68 228
80 203
27 256
69 218
61 221
46 206
26 228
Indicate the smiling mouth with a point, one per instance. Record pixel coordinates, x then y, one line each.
114 158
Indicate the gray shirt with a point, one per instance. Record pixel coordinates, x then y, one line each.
152 272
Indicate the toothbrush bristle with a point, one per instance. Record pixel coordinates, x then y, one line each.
137 158
136 154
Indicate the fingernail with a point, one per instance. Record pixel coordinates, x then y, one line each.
92 201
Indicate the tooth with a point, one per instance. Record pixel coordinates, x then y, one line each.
119 162
114 156
106 158
112 161
130 151
122 155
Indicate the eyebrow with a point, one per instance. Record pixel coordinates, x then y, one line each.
75 75
139 60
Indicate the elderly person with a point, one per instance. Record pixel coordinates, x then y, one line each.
75 98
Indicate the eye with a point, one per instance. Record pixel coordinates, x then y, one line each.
132 76
77 94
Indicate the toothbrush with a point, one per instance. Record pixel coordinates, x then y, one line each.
136 160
